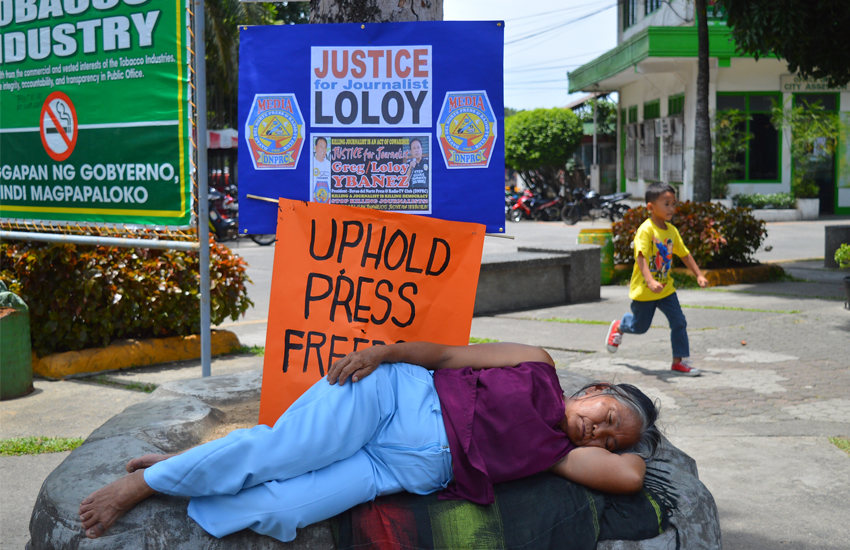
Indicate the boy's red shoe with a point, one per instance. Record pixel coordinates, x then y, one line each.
684 367
613 339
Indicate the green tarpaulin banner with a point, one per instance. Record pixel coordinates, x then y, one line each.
94 119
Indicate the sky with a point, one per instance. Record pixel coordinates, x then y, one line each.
543 40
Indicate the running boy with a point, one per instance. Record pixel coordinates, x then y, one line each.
651 286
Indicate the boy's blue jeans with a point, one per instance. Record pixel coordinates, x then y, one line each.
639 320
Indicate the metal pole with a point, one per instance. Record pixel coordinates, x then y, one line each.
203 189
595 99
99 241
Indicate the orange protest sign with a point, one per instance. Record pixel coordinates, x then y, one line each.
347 278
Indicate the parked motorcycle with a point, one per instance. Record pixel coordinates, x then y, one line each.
224 216
223 223
588 203
535 208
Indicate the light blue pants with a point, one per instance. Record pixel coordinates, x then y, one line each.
334 448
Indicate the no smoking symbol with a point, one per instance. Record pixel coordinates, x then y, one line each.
58 126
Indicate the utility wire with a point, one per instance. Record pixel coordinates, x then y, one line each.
558 25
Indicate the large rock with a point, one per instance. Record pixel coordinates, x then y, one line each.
179 414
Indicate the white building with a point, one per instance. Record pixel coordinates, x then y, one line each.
654 70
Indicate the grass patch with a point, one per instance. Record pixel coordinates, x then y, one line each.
474 340
726 308
133 386
259 351
842 443
17 446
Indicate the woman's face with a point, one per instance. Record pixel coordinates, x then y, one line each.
597 420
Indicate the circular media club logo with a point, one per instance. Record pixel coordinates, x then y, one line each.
467 129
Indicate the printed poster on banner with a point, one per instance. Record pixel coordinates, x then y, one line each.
468 130
391 112
361 86
350 278
94 112
383 172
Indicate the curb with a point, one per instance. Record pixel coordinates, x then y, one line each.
736 275
124 354
729 275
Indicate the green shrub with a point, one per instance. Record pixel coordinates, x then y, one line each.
842 255
83 296
758 201
715 235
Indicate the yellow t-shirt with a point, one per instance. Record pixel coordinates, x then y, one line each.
657 246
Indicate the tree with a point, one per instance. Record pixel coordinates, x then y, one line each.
538 145
702 124
729 140
223 18
375 11
606 115
810 36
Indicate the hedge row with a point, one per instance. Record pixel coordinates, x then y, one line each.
83 296
716 236
759 201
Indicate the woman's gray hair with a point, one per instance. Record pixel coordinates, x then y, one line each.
645 409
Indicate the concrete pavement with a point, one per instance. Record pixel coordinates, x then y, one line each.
776 358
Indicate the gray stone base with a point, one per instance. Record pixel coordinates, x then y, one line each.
179 414
538 277
834 237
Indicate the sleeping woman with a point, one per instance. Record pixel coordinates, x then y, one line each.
417 417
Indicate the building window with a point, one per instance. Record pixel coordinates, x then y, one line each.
650 151
676 105
652 109
632 139
652 5
630 8
761 160
674 150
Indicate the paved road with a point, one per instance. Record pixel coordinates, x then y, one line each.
784 242
776 385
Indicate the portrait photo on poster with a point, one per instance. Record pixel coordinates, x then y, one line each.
378 171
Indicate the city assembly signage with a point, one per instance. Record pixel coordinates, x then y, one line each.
400 117
93 111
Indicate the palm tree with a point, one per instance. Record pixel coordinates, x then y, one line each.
702 125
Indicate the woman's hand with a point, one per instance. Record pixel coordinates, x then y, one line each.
356 365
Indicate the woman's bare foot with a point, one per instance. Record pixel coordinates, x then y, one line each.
145 461
103 507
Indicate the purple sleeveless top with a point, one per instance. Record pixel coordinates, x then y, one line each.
502 424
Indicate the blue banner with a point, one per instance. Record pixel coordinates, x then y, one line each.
403 117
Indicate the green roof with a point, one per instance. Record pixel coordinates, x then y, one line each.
652 42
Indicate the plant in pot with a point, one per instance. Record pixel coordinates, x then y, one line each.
842 258
813 133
